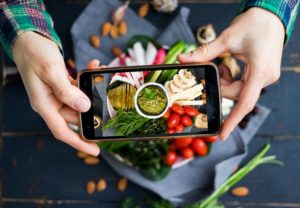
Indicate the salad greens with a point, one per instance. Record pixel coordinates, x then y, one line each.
126 122
144 155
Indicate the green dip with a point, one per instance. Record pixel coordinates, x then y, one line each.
152 100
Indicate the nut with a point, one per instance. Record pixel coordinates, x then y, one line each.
114 32
98 78
71 63
106 27
240 191
122 28
101 185
122 184
81 155
95 41
90 160
90 187
143 10
116 51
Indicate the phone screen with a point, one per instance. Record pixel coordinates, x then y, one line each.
141 103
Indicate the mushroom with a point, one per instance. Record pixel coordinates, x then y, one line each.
165 5
205 34
97 121
232 64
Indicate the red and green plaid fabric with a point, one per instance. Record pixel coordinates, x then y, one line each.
286 10
19 16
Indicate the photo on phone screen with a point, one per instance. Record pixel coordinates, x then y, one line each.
150 103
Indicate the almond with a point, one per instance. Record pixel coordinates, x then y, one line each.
95 41
81 155
90 187
101 185
106 27
143 10
71 63
122 184
114 32
90 160
240 191
122 28
98 78
116 51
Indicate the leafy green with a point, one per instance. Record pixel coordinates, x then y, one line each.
130 203
153 127
126 122
149 94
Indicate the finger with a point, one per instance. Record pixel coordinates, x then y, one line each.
65 91
205 52
98 68
70 115
248 97
93 64
232 90
61 131
225 73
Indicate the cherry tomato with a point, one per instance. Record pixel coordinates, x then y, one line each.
187 121
171 158
199 147
167 114
187 152
177 109
171 131
182 142
173 121
210 139
190 111
179 128
172 147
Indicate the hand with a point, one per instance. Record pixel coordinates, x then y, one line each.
255 37
50 88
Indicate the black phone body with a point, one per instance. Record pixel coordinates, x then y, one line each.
119 90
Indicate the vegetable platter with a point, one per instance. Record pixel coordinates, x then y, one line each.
155 158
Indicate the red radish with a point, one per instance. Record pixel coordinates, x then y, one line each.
122 60
160 57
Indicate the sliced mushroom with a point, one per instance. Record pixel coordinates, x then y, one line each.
206 34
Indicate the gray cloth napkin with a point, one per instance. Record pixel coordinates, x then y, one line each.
200 177
90 22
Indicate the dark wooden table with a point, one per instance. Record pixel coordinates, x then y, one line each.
38 171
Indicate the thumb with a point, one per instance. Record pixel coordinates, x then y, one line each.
67 93
73 97
205 52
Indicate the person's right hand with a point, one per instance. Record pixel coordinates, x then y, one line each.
256 37
50 89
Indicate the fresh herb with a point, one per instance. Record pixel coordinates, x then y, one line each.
126 122
149 94
153 127
129 203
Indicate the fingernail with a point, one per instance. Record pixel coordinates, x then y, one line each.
82 105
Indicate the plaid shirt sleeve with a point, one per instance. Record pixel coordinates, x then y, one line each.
19 16
286 10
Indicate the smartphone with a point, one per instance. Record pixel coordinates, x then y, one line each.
151 102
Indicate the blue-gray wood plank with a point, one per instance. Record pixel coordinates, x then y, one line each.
41 172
